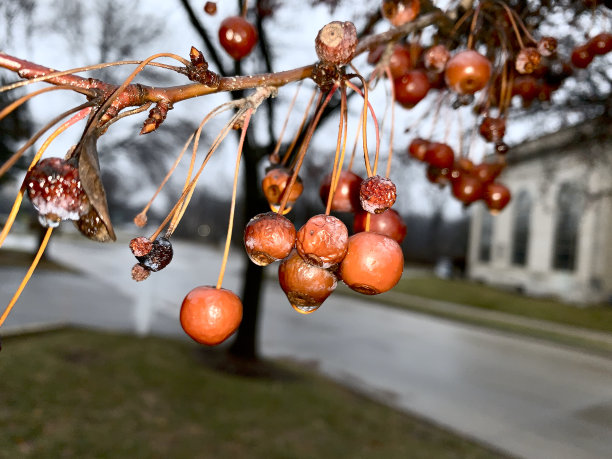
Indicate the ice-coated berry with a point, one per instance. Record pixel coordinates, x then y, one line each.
322 241
377 194
54 188
306 286
141 246
268 237
400 12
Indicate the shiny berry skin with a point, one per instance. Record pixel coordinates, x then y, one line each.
268 237
210 8
418 148
373 264
492 129
467 72
377 194
210 315
346 197
389 223
274 184
581 56
439 155
411 88
438 176
600 44
322 241
54 188
306 286
496 196
400 12
237 36
467 188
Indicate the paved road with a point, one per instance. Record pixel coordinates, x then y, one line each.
526 397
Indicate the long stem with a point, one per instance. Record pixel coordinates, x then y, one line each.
335 175
230 226
26 278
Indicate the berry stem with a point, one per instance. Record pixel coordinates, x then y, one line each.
304 147
41 249
338 157
470 43
244 8
230 225
287 154
17 103
391 132
282 132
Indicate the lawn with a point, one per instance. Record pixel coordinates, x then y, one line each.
470 293
79 393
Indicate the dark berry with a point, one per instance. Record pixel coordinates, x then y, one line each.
388 223
237 36
140 272
159 256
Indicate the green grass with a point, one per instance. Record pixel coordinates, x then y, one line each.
473 294
79 393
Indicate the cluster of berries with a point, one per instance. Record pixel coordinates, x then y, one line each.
314 257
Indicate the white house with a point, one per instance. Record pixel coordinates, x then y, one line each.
555 236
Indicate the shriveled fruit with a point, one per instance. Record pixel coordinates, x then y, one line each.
306 286
487 172
237 36
467 72
388 223
336 42
346 196
268 237
159 256
210 315
436 57
54 188
373 264
274 184
492 129
527 60
600 44
322 241
377 194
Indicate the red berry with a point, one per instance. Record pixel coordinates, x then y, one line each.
322 241
418 148
400 12
527 87
210 315
373 264
487 172
439 155
237 36
346 197
268 237
467 188
492 129
274 184
600 44
388 223
54 187
377 194
411 88
437 176
467 72
399 61
496 196
306 286
581 56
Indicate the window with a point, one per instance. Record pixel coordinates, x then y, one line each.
568 213
486 237
520 231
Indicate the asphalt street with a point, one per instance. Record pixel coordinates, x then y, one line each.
529 398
